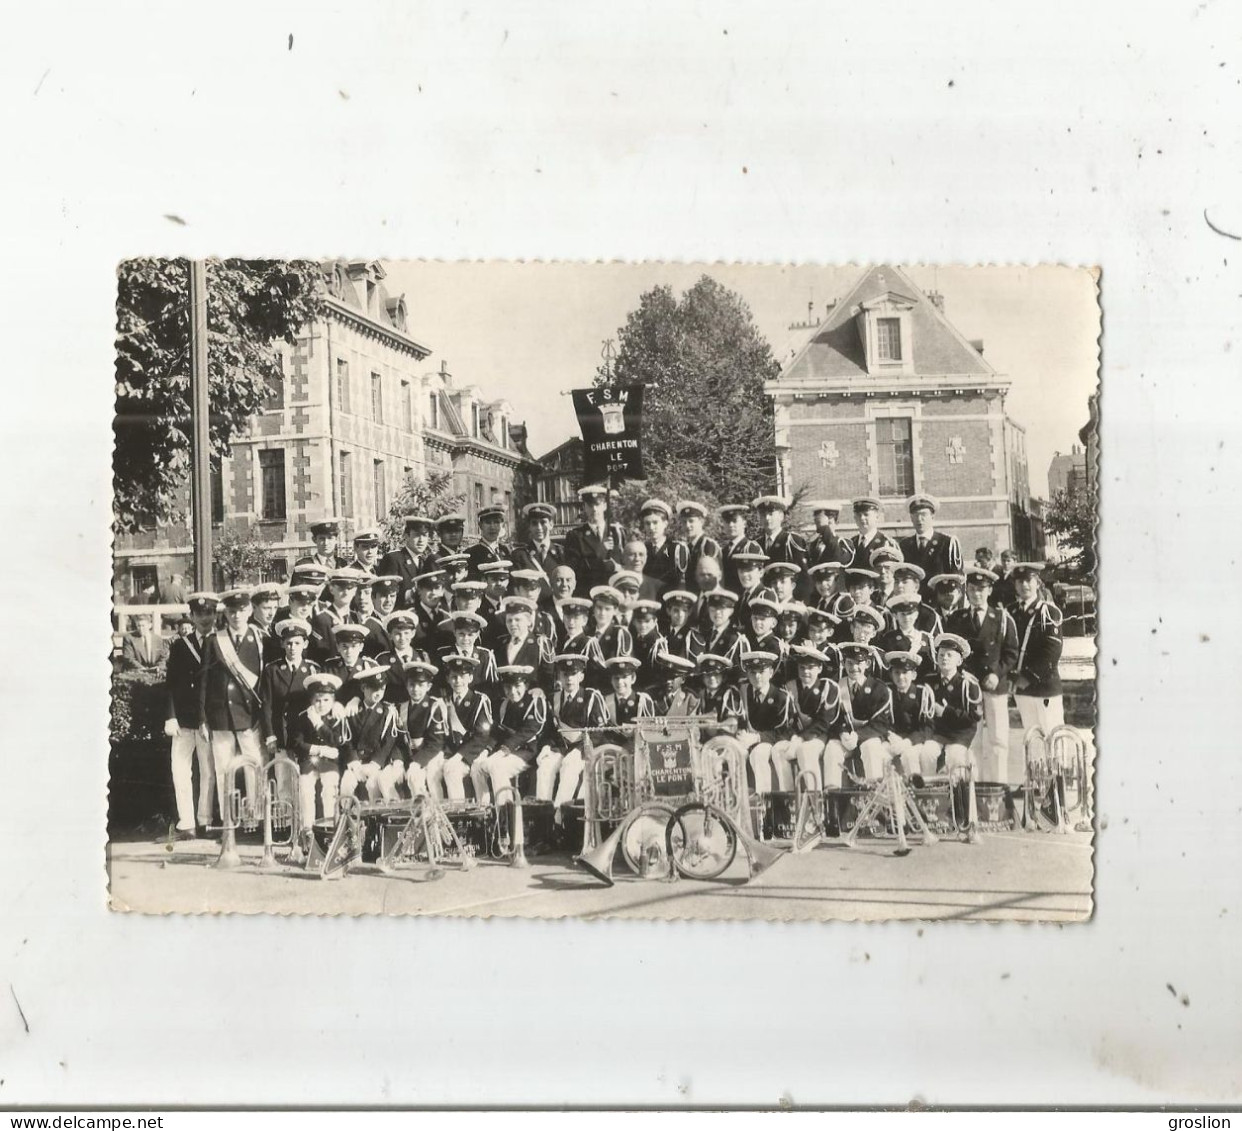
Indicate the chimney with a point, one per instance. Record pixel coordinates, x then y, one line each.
937 300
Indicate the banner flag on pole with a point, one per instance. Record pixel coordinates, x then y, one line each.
611 419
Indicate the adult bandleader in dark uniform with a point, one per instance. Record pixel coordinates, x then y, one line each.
993 639
1037 677
927 548
593 549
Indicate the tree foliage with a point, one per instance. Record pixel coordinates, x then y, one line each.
707 430
432 497
251 304
243 557
1072 517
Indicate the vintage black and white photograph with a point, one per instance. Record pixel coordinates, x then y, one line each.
645 590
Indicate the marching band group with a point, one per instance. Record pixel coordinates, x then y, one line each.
452 670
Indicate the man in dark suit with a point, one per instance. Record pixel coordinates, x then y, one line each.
693 517
228 691
993 639
869 537
933 552
539 552
411 559
184 717
489 548
827 545
593 550
324 533
667 558
143 646
734 541
777 542
366 551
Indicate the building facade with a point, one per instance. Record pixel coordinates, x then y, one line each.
356 412
886 398
1068 472
560 476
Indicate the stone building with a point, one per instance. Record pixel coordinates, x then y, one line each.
886 397
1067 472
356 411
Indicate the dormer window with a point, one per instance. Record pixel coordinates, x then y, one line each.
884 327
888 338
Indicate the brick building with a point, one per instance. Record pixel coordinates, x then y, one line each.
885 397
1067 472
356 412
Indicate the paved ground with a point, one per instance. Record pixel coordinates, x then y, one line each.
1008 876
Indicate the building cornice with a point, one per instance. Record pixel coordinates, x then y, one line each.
394 337
868 386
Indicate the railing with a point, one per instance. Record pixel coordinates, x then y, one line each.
125 613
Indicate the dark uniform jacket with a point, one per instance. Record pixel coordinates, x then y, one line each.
870 706
347 674
741 611
662 565
993 646
407 565
677 705
378 640
702 547
593 563
894 640
225 704
305 732
725 704
519 725
819 551
484 677
534 652
862 552
376 734
469 725
322 644
620 712
912 712
770 716
941 553
396 691
185 672
727 644
818 713
962 700
1039 648
426 721
784 546
646 649
686 642
282 688
316 646
481 554
570 714
1004 595
545 559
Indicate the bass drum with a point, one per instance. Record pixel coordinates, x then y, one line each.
644 828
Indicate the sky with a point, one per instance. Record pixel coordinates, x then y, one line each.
530 331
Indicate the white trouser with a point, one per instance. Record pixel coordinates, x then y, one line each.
1038 712
453 774
366 772
874 753
481 779
784 755
184 747
503 766
761 766
390 777
834 764
991 744
957 755
329 780
807 752
416 779
547 763
916 757
435 776
227 744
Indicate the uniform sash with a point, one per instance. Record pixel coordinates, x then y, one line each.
228 653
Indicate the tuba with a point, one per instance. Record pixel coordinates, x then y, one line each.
1038 780
517 850
238 811
609 788
281 810
690 854
1068 755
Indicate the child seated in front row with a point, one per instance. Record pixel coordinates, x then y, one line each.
320 741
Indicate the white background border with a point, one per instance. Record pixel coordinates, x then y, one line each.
970 132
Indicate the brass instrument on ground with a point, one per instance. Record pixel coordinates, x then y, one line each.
517 850
418 825
238 811
282 810
809 828
890 795
1040 790
1062 771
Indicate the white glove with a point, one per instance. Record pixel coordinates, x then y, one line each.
270 742
338 710
172 729
849 740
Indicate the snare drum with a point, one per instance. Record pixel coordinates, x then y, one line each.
994 801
